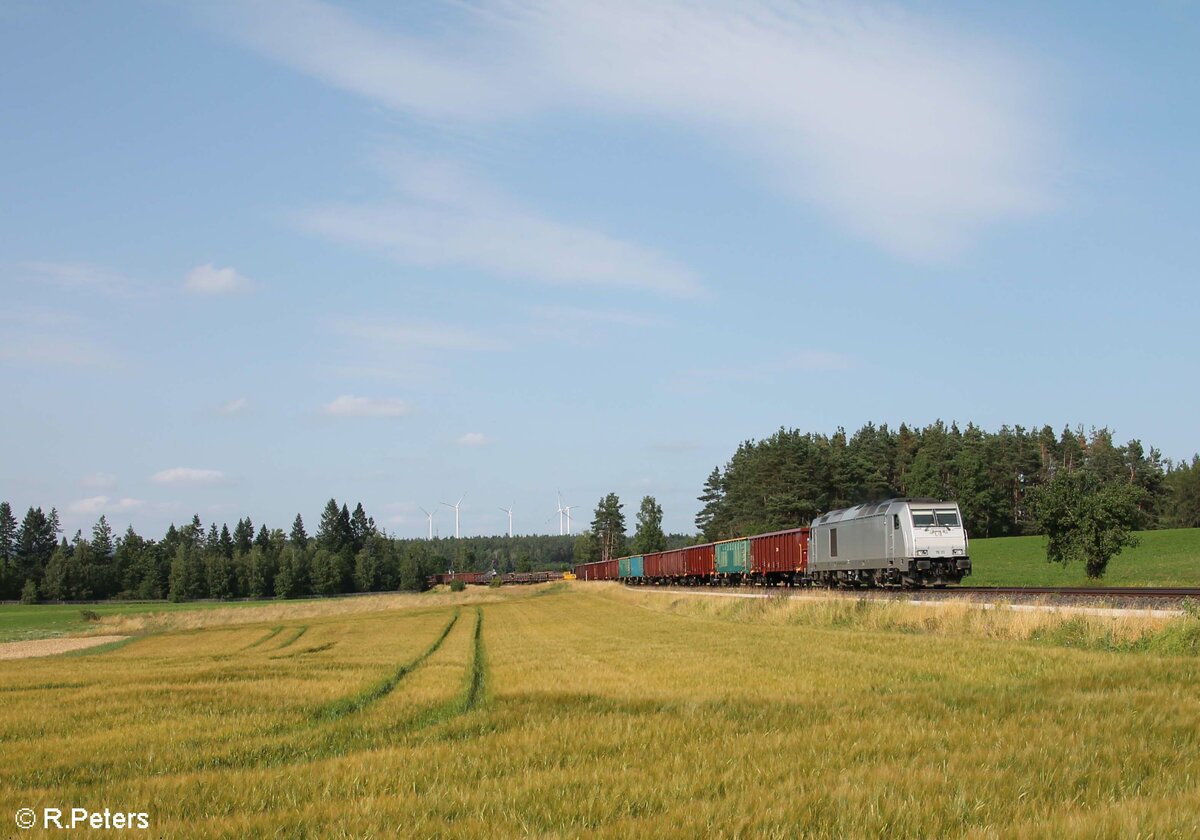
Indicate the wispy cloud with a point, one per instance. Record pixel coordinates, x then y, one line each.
443 218
911 134
235 406
418 335
95 505
75 276
98 481
474 439
207 279
351 406
187 475
575 315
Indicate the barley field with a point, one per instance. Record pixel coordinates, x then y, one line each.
591 710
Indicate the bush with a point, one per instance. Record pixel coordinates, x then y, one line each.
29 594
89 615
457 585
495 582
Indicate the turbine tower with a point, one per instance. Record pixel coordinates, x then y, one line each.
561 511
455 506
428 516
567 510
509 511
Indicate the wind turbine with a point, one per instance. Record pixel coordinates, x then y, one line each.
455 506
567 510
428 516
561 511
509 511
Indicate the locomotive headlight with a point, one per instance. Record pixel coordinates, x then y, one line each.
922 551
958 551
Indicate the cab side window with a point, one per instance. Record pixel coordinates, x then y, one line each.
895 522
833 542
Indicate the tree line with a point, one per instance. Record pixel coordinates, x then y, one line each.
787 479
348 553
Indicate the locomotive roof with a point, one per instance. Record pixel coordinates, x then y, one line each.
872 508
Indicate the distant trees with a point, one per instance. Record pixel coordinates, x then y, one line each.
1179 503
1085 518
790 477
649 535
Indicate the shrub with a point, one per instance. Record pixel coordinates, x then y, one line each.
89 615
29 594
457 585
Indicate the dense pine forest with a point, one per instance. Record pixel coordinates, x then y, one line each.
789 478
780 482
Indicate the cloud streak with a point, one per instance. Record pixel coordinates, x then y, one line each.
441 220
351 406
187 475
908 134
207 279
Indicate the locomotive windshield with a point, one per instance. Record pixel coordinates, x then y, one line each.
923 518
948 518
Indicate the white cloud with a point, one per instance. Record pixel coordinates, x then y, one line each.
235 406
187 475
474 439
350 406
98 481
441 221
910 134
207 279
95 505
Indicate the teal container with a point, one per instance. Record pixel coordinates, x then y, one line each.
637 567
623 567
733 557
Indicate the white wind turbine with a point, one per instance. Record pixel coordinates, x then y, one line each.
567 510
428 516
455 506
560 512
509 511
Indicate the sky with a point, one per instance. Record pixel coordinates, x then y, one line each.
256 254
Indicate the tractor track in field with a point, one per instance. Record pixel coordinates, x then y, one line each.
357 702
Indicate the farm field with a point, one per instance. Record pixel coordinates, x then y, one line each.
1164 558
40 621
589 709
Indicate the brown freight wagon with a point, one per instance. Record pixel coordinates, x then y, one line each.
699 560
599 570
663 564
780 554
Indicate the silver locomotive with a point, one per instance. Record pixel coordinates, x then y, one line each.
899 542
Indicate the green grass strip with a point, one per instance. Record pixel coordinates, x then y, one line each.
300 631
104 648
348 705
275 631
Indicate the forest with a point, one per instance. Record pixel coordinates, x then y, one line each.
780 482
786 480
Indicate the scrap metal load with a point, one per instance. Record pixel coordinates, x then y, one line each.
486 578
899 542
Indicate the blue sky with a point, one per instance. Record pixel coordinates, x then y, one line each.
257 254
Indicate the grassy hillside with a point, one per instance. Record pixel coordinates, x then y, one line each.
593 711
40 621
1164 558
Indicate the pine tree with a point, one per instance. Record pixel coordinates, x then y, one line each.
609 527
329 533
712 496
226 542
361 527
299 536
649 535
243 536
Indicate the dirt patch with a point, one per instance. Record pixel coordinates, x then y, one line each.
49 647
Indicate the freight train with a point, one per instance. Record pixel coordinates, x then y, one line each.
896 543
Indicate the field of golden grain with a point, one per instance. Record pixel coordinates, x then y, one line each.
592 710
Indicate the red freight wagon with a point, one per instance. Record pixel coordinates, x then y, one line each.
599 570
664 564
699 560
780 552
